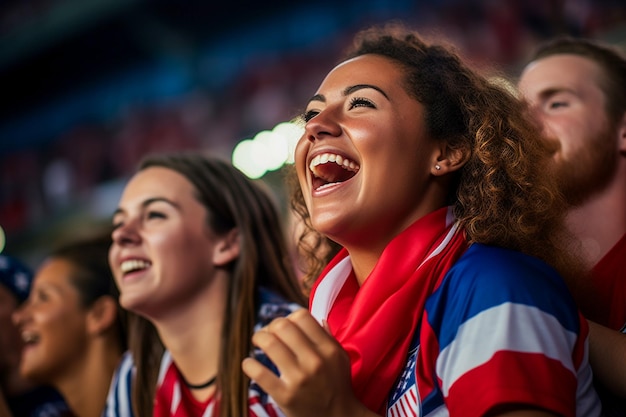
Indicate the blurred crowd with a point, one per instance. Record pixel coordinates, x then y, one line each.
39 185
436 217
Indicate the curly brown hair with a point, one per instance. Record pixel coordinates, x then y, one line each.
504 195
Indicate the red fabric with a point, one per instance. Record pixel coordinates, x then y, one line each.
375 323
171 387
545 373
609 282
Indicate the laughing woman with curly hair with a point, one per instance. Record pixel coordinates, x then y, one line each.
447 296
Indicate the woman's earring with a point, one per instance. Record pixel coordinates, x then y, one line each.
437 167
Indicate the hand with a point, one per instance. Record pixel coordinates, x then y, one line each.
314 370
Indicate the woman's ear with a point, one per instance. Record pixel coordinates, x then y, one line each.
102 315
227 248
449 159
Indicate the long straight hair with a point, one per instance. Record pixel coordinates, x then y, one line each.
232 201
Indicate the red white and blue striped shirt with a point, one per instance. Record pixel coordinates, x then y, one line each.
500 329
174 399
119 402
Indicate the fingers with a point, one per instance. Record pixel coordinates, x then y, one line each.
281 355
288 348
314 370
280 345
309 326
296 343
268 380
286 344
303 333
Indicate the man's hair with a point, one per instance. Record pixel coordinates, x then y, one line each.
610 59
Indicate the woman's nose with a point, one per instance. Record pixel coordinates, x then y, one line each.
325 124
125 233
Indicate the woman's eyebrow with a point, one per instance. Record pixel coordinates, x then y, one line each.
318 97
353 88
349 90
149 201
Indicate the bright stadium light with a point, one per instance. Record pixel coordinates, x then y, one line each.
291 132
269 150
244 160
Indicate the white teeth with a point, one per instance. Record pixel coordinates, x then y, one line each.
29 337
324 158
133 265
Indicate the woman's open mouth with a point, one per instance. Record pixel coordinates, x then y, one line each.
329 169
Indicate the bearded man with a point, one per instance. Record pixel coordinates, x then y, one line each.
577 91
576 88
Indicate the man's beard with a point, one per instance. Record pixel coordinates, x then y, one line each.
589 169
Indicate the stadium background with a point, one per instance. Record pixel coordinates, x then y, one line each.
89 86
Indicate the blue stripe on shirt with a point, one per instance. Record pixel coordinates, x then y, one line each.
485 277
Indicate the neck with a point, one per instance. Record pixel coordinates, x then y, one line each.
85 385
363 262
600 222
193 334
364 253
203 385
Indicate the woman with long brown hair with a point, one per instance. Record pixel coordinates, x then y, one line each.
199 252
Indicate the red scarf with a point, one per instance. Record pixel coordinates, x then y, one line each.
376 322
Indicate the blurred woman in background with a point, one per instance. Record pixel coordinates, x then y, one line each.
20 397
74 330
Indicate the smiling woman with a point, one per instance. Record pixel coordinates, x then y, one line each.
451 229
19 396
75 331
200 254
329 168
